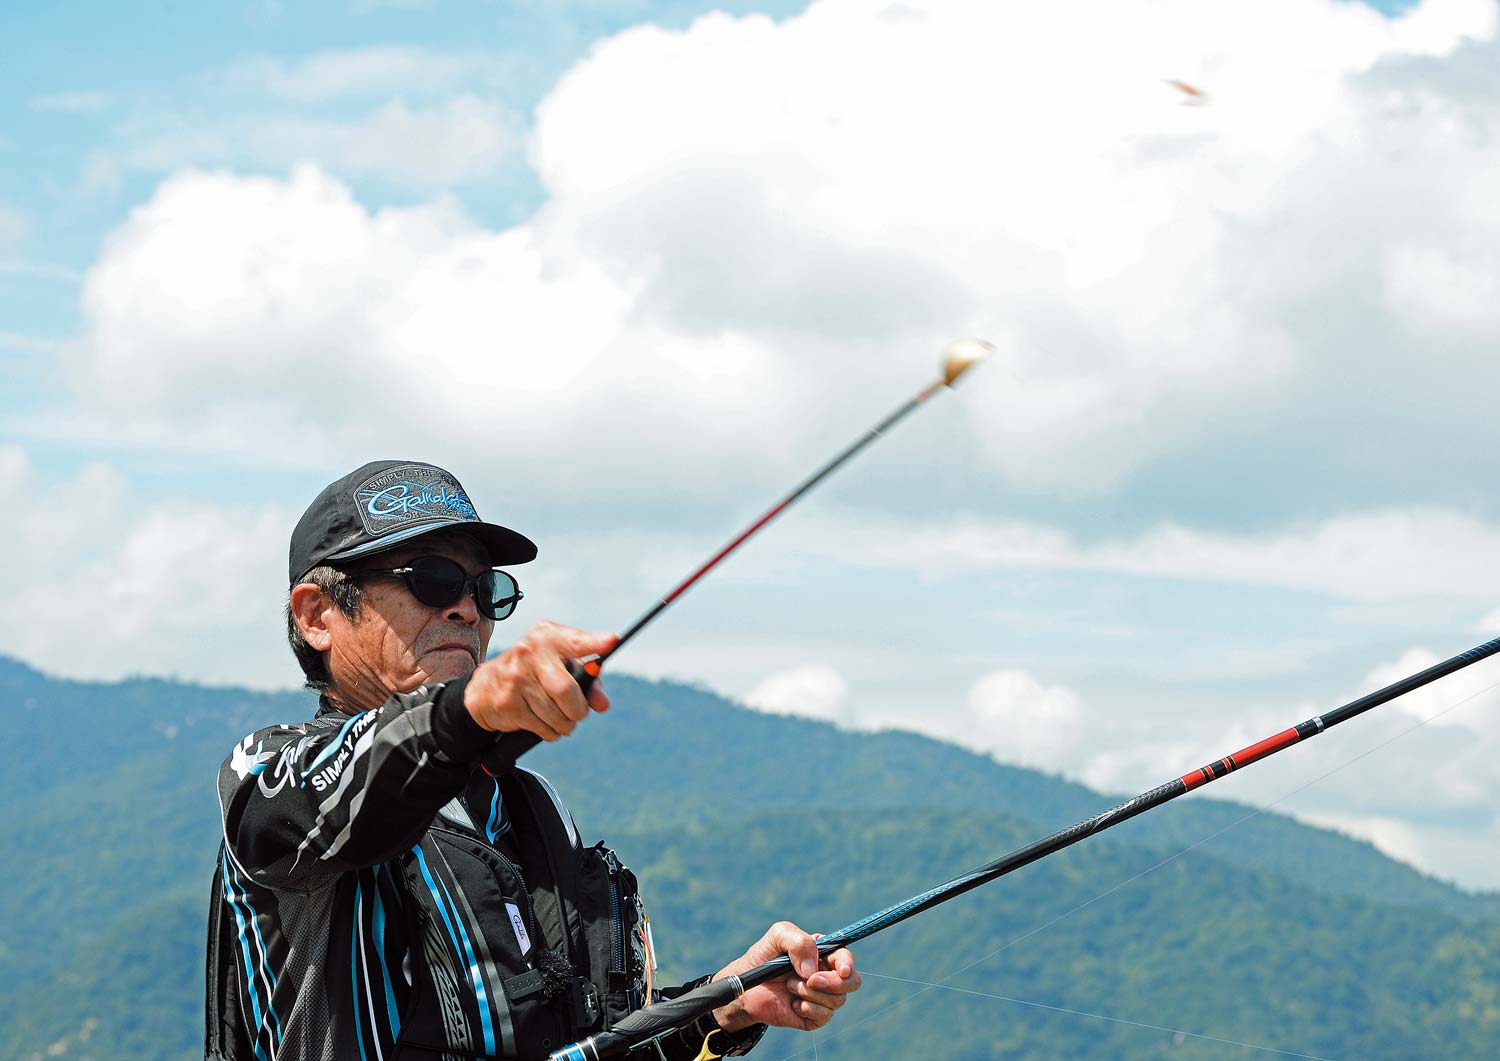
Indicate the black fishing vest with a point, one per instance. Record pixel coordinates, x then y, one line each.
495 935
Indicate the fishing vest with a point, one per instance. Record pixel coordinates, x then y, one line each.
564 943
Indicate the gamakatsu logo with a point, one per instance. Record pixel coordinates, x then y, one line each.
397 502
411 493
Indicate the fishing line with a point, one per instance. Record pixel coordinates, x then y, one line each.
1097 1016
1150 869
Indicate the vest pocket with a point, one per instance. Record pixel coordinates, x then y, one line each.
618 937
478 930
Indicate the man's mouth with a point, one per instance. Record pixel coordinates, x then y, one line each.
457 646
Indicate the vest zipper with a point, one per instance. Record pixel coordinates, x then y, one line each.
614 894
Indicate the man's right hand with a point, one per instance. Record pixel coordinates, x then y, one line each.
528 687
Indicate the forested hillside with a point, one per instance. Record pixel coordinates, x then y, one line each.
1275 935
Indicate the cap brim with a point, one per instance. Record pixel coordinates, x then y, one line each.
505 546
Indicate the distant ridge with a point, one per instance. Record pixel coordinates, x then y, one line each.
732 816
731 756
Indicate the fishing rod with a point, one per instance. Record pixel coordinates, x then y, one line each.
662 1018
958 358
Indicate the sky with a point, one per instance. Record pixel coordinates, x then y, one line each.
632 270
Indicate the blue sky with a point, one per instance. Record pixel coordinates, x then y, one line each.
632 270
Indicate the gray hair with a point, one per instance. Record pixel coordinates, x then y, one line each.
346 594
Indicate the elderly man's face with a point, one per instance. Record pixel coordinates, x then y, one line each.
395 642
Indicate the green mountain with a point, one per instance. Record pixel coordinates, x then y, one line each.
1274 934
730 759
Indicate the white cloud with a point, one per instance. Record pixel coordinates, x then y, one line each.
1433 28
356 73
41 271
1466 855
1436 288
363 6
307 324
1008 714
1018 718
14 225
29 344
1429 703
100 175
1152 272
418 119
1014 717
108 580
72 103
1412 776
814 690
427 146
935 169
1424 793
1379 555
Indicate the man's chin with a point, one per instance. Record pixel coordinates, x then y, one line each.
447 665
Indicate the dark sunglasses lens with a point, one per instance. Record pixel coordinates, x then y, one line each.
437 581
498 594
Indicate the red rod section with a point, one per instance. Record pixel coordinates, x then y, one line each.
775 510
512 746
1244 757
731 547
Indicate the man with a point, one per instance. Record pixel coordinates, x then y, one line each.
379 893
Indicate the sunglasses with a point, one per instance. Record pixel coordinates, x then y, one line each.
438 582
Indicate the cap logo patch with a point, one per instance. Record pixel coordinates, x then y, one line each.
410 493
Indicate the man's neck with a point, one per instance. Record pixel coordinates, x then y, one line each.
330 700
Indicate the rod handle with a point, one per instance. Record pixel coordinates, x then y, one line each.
651 1021
511 746
584 671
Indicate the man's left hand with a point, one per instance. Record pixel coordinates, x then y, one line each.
804 999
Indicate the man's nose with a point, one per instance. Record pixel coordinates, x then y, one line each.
463 610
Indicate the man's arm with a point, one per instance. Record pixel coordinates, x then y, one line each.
302 803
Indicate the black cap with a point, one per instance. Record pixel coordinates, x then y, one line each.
385 503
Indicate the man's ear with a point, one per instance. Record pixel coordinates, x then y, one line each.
310 611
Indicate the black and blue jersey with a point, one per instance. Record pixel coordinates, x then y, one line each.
380 896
